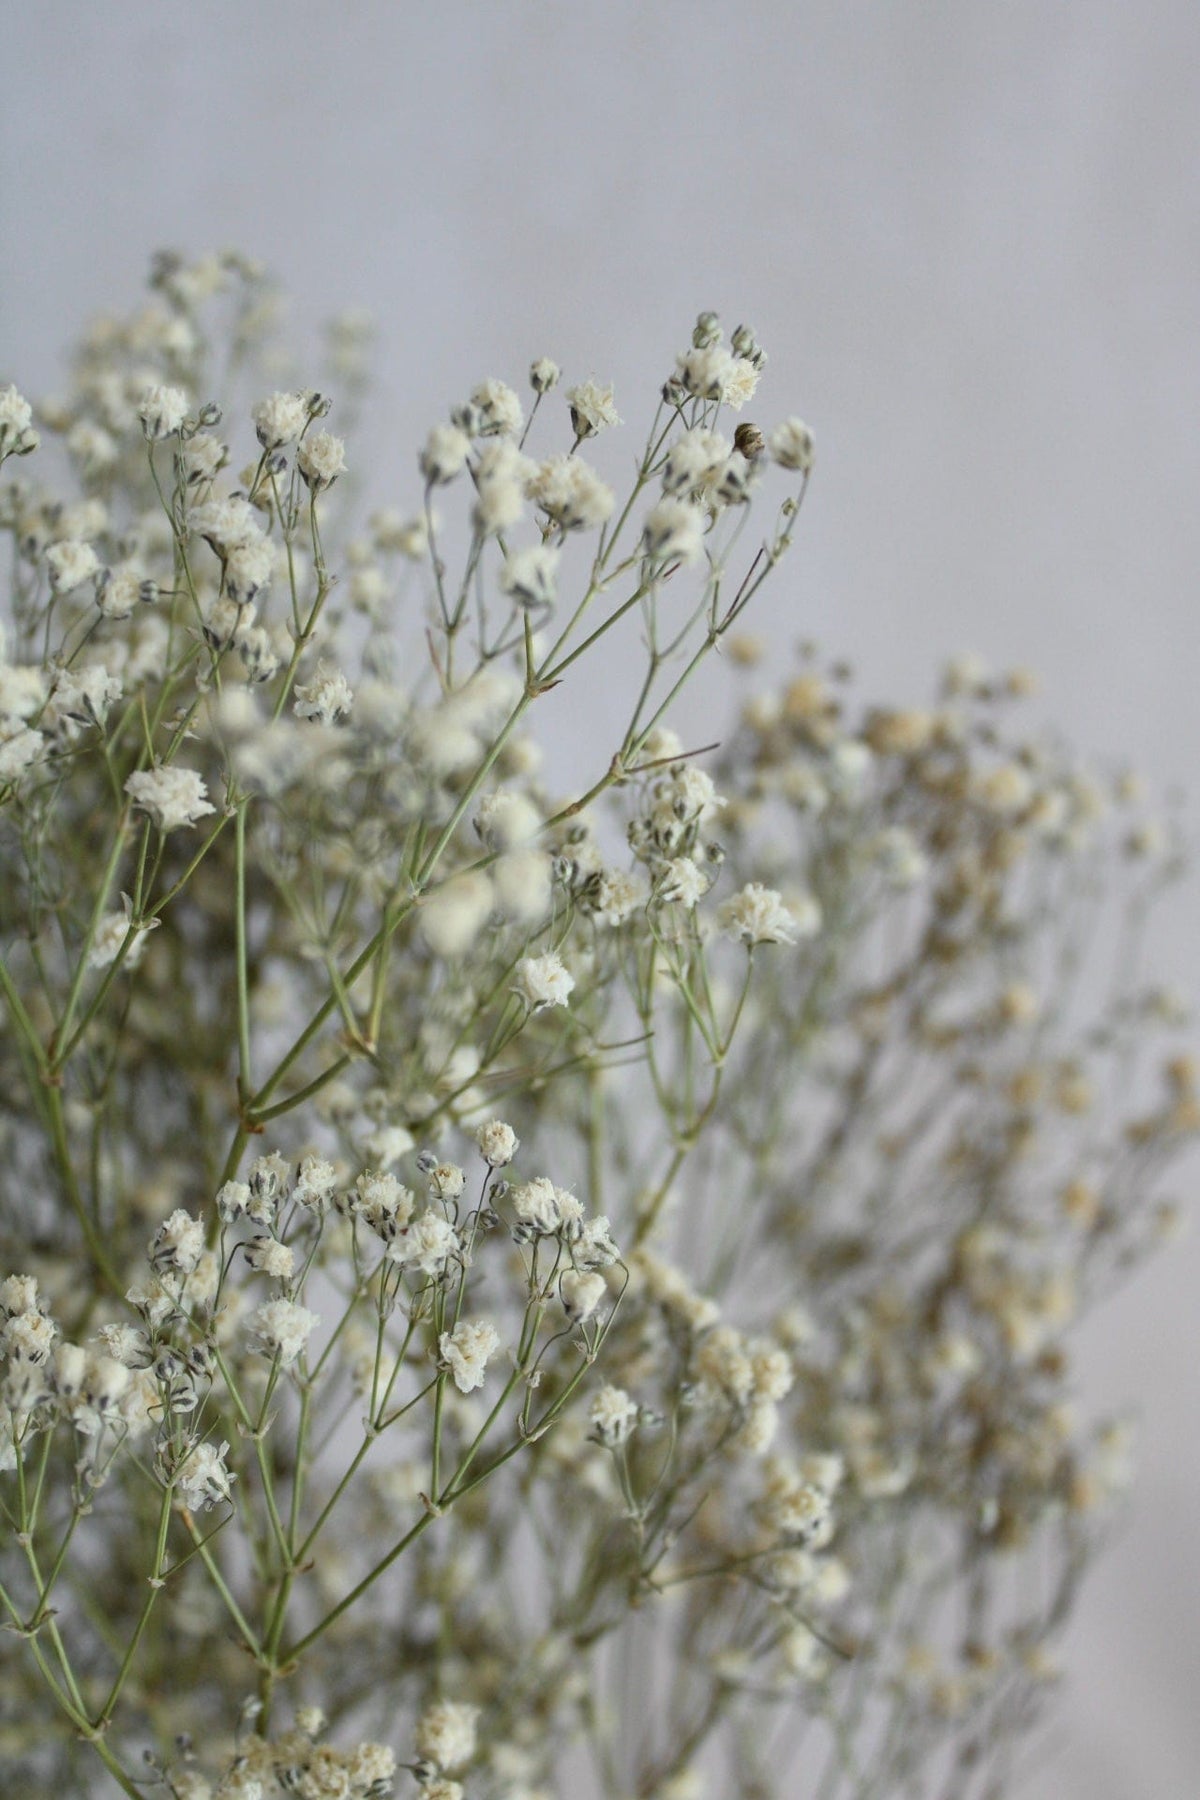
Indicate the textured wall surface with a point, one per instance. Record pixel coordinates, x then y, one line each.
968 237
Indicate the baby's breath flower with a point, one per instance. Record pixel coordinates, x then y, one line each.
757 915
382 1202
233 1200
226 523
316 1182
248 569
703 370
177 1244
320 459
326 698
426 1245
501 477
279 419
80 697
740 383
281 1328
683 881
170 795
543 375
581 1292
499 410
203 457
71 564
269 1257
453 917
530 577
543 981
791 446
692 458
592 409
673 531
203 1478
446 450
498 1143
111 931
445 1734
123 588
91 448
507 819
571 493
613 1415
17 436
446 1181
536 1206
162 411
466 1350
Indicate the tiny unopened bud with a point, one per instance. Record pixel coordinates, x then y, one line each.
749 440
706 332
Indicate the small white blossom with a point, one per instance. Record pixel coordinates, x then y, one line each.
740 384
80 697
791 446
757 915
123 588
452 918
226 523
543 375
571 493
326 698
178 1243
91 448
692 459
673 531
466 1349
426 1245
17 436
202 1479
282 1328
170 795
162 411
536 1206
543 981
530 577
683 881
233 1200
498 1143
501 477
704 371
613 1415
316 1182
248 569
446 450
592 409
446 1181
269 1257
20 749
320 459
280 419
581 1292
387 1144
499 410
507 819
445 1734
71 564
382 1202
110 933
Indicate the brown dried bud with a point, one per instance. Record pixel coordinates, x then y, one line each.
749 440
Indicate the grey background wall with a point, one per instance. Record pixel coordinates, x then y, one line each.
969 237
